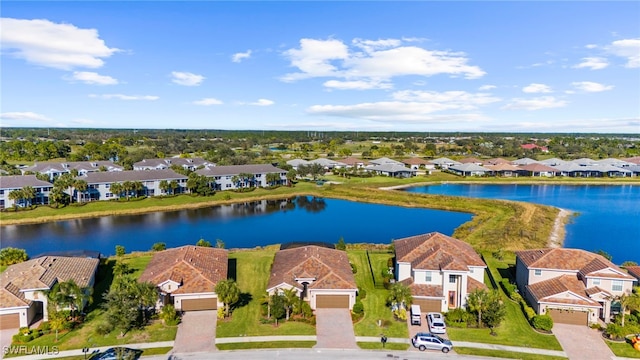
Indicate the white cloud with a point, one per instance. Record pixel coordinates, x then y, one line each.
45 43
588 86
536 88
262 102
93 78
124 97
357 85
186 78
486 87
593 63
627 48
591 46
208 102
369 60
24 116
238 57
543 102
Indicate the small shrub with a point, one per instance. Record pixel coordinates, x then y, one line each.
362 294
614 331
358 307
226 196
354 268
542 322
120 250
221 313
596 326
159 246
169 315
516 297
528 311
390 262
508 287
400 314
103 328
36 334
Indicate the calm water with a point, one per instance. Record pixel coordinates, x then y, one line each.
239 225
609 216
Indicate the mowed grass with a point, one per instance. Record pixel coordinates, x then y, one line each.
505 354
623 349
514 329
375 307
251 269
378 346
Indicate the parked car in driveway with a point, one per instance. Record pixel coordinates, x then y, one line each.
424 341
436 323
118 353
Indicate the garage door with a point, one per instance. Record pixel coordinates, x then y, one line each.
9 321
332 301
199 304
568 317
428 305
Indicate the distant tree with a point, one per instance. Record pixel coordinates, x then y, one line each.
203 243
341 245
605 254
629 263
219 244
273 178
159 246
120 250
316 170
291 175
11 255
229 293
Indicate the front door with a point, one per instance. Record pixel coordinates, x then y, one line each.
452 299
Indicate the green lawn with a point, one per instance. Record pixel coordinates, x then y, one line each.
504 354
515 329
375 307
252 270
267 345
623 349
378 346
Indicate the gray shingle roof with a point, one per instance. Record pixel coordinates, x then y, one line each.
67 166
19 181
120 176
237 169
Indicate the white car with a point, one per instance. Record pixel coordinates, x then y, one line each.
436 323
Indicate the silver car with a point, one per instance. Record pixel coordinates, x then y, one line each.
424 341
436 323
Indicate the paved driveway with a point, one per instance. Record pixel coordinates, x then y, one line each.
334 329
582 342
5 339
196 332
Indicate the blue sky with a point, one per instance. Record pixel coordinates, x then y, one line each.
380 66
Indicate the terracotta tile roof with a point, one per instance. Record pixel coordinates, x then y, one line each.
594 290
497 161
582 261
43 273
423 289
435 251
415 161
634 270
197 268
329 267
549 289
473 284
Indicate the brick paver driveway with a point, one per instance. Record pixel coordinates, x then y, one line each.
334 329
581 342
196 332
6 336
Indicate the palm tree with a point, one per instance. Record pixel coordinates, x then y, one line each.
627 302
173 186
116 189
68 294
273 178
56 195
478 301
81 187
164 186
137 186
266 299
147 295
401 294
229 293
127 187
290 298
17 196
28 192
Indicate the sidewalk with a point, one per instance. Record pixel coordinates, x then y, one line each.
78 352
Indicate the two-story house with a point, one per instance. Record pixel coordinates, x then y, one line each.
191 164
99 183
228 177
17 182
571 285
439 270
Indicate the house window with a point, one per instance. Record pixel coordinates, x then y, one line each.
616 285
596 281
537 272
427 276
452 279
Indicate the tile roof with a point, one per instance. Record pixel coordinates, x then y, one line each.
435 251
634 270
537 167
329 267
168 162
197 268
238 169
131 175
595 290
582 261
549 290
497 161
353 161
469 167
43 273
423 289
415 161
20 181
391 168
385 161
473 284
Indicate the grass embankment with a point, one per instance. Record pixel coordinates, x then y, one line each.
375 308
505 354
514 329
85 335
251 269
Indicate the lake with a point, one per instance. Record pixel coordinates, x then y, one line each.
243 225
609 215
